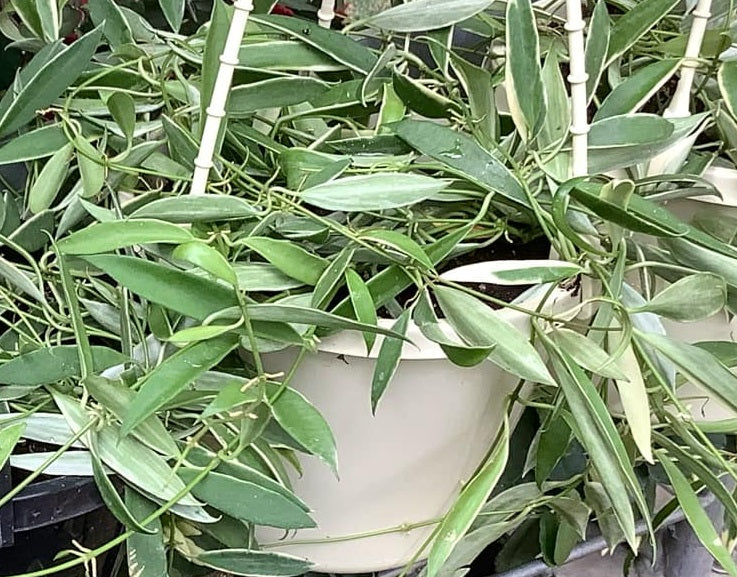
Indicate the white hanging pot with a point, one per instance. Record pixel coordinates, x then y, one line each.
718 327
400 469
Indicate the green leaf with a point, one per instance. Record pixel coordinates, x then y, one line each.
338 46
399 242
207 258
35 232
91 167
217 32
132 460
422 99
202 208
109 236
525 90
479 325
363 305
689 299
597 46
696 516
514 272
117 398
592 424
424 15
110 495
276 54
331 278
552 446
146 553
179 291
301 315
698 366
588 354
19 279
41 89
635 91
200 333
48 13
463 512
34 144
462 156
633 395
263 276
288 257
173 12
9 437
377 191
27 11
273 93
557 120
727 79
172 376
115 26
477 84
390 355
249 562
123 110
457 353
53 364
49 181
304 423
247 501
630 27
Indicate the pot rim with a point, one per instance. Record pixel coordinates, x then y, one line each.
351 343
725 180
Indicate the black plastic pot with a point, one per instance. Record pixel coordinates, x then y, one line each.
46 517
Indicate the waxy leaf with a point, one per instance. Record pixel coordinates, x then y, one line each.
479 325
377 191
173 376
112 235
390 355
424 15
304 423
689 299
513 272
46 84
462 156
247 501
463 512
50 365
179 291
202 208
248 562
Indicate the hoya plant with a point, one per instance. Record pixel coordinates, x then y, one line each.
352 172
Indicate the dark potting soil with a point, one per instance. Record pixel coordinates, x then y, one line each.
502 249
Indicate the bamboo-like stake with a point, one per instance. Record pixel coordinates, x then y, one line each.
679 106
216 108
326 13
577 78
672 159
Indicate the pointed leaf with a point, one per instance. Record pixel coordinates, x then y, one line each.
304 423
173 376
479 325
377 191
463 512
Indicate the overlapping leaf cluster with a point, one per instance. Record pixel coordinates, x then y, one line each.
354 171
